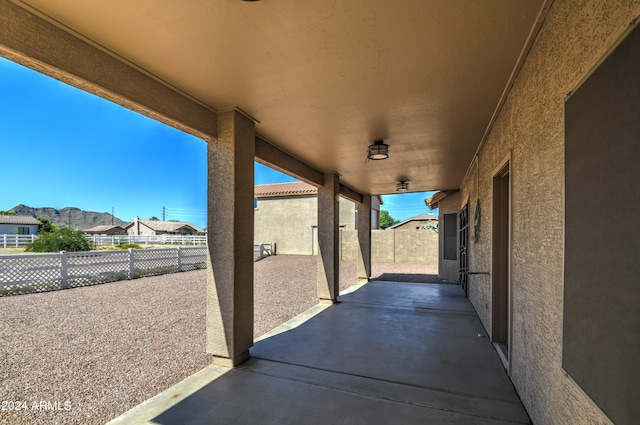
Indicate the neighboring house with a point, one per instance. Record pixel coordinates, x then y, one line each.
106 230
18 225
418 222
157 227
287 214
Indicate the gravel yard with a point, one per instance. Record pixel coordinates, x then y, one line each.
86 355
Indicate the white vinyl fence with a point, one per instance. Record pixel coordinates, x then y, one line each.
8 241
28 273
112 240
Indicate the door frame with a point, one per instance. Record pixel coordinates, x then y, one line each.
501 250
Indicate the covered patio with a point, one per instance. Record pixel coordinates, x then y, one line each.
388 352
353 99
493 103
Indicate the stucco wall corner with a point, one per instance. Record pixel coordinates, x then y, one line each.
574 39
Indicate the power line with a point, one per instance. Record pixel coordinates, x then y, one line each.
187 212
187 209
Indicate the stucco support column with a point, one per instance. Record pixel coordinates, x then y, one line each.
364 239
328 240
230 240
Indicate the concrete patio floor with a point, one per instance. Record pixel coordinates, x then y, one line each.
390 352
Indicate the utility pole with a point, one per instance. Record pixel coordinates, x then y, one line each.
164 213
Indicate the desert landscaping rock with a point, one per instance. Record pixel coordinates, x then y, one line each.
92 353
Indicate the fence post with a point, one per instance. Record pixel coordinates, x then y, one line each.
64 269
131 269
5 240
179 259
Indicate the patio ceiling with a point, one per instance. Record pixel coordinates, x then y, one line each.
326 78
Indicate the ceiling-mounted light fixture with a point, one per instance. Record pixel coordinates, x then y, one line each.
379 150
402 186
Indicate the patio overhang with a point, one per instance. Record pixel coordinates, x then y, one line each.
322 81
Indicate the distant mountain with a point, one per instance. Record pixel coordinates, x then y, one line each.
77 218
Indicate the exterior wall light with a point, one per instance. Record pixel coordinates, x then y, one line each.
402 186
379 150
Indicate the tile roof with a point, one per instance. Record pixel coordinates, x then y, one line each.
18 219
284 189
420 217
423 217
168 226
432 201
103 228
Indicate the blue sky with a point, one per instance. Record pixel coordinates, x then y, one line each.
62 147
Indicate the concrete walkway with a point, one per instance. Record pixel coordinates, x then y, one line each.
389 353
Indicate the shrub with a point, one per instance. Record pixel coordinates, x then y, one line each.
60 239
46 226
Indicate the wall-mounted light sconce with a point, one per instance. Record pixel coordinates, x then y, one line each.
402 186
379 150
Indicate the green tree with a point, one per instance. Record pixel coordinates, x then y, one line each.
386 220
60 239
154 218
7 213
46 226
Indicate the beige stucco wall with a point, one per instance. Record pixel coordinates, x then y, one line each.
289 222
393 246
375 212
347 214
286 221
574 38
448 269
